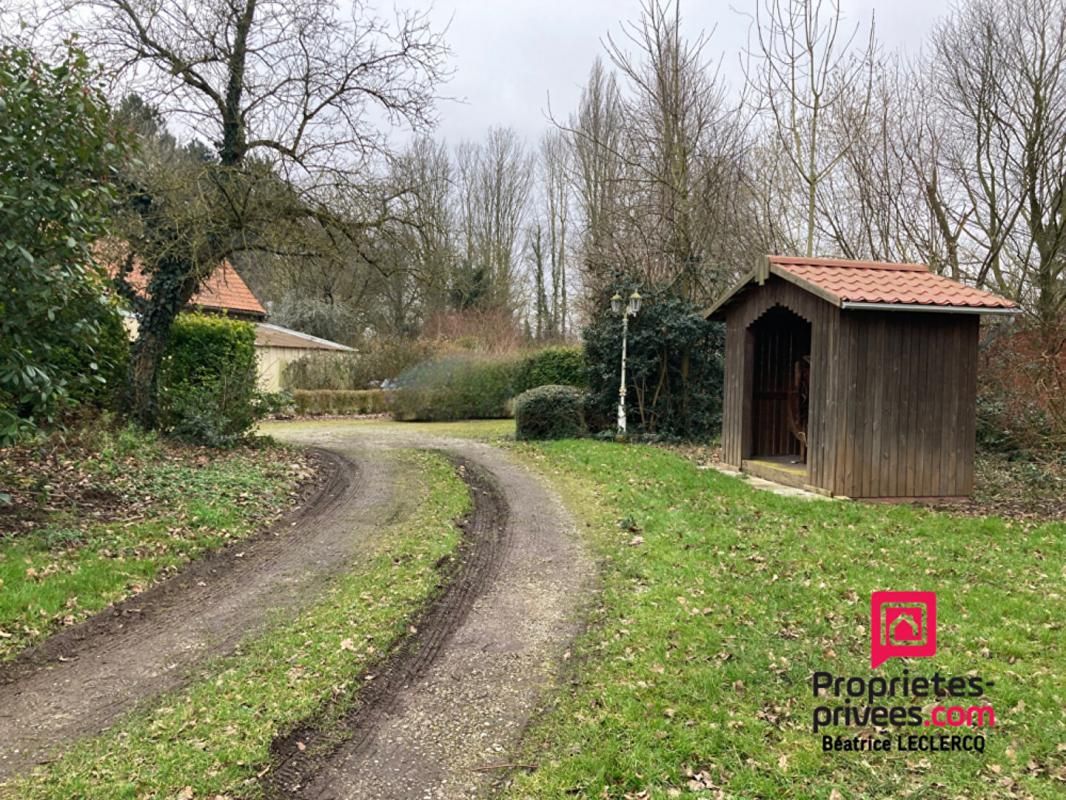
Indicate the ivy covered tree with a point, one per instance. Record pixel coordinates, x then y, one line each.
57 150
286 94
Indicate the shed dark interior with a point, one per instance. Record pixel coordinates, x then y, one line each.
782 350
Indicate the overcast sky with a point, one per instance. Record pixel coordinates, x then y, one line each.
509 55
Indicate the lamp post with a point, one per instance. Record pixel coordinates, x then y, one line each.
631 309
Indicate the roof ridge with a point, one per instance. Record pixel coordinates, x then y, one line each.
845 263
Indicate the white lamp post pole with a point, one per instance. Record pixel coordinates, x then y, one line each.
631 309
622 384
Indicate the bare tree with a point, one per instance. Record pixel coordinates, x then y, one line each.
555 177
288 94
425 177
596 133
805 71
495 180
1001 70
683 149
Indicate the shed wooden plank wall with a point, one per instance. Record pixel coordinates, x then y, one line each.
892 395
908 381
739 356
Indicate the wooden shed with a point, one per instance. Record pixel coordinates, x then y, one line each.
853 378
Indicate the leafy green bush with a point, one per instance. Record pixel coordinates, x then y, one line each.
550 412
380 360
339 401
94 370
207 386
674 370
275 403
56 150
563 366
456 387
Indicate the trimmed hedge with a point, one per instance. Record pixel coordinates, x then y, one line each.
550 412
455 387
561 366
339 401
207 380
376 361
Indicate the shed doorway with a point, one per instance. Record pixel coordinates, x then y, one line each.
781 380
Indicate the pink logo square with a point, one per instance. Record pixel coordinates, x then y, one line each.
902 625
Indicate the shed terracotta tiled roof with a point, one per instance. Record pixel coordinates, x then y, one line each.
870 284
873 282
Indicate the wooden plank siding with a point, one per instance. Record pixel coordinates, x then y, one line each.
908 386
892 395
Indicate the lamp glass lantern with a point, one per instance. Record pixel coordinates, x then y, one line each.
616 303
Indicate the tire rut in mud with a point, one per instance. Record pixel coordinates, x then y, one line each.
126 616
301 754
82 680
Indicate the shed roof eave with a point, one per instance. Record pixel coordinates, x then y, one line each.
727 298
308 342
806 285
853 305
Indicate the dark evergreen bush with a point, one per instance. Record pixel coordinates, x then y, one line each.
207 388
563 366
93 370
673 374
550 412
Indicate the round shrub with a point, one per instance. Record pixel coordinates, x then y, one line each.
550 412
552 365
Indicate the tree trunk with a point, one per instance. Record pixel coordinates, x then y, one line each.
171 287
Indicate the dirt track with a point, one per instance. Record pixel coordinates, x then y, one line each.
453 699
80 681
459 697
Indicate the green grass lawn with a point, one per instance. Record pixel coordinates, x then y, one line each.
719 602
213 738
107 515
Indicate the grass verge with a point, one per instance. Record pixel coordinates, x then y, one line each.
105 514
213 738
718 604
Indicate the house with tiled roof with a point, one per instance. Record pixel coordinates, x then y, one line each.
853 378
225 292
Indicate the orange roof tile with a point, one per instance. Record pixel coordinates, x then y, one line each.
224 290
874 282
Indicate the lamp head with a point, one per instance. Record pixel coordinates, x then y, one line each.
616 303
634 303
